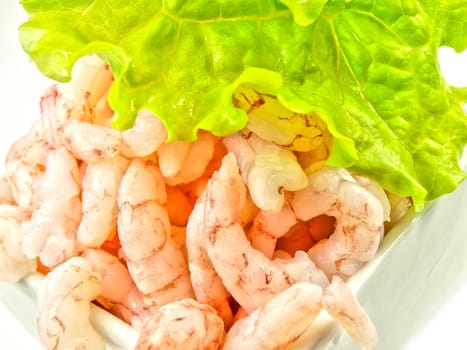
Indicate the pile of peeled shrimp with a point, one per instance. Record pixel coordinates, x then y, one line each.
234 242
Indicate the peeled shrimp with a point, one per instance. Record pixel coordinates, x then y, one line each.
247 274
207 285
89 141
342 305
156 264
51 231
359 220
266 168
64 299
24 168
144 137
182 325
13 263
100 187
118 292
68 112
279 323
77 99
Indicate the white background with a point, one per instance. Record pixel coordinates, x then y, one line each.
20 89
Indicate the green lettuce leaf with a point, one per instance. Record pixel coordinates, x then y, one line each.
451 17
369 69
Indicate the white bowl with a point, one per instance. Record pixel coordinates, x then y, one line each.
421 264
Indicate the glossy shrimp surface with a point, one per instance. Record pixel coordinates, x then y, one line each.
118 293
100 186
182 325
24 169
279 323
207 285
156 264
51 231
64 299
359 220
233 242
14 264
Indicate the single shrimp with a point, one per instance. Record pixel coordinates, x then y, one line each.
99 194
246 273
14 265
24 168
207 285
342 305
155 262
89 141
268 169
6 196
68 112
118 291
64 298
68 125
359 225
144 137
279 323
76 100
51 231
183 325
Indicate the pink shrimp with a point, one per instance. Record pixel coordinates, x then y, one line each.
89 141
14 265
51 231
68 112
68 125
183 324
155 262
359 217
100 187
279 323
207 285
118 291
247 274
64 298
342 305
77 99
144 137
24 168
